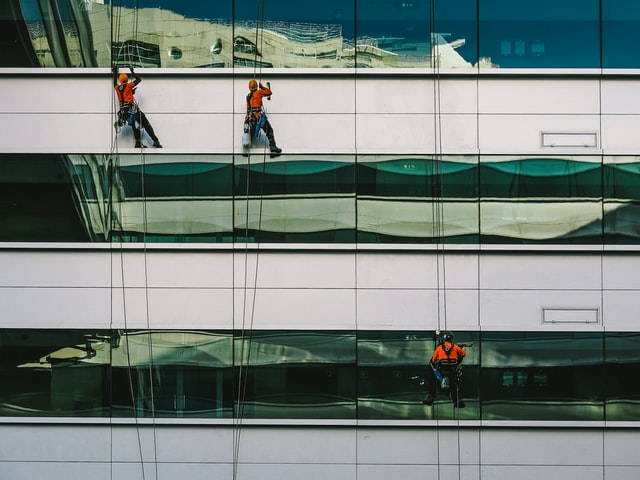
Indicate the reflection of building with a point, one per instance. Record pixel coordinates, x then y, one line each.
193 311
166 39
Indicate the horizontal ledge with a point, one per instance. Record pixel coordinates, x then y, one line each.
239 423
243 73
324 247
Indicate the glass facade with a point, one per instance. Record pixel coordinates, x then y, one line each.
551 376
320 199
333 34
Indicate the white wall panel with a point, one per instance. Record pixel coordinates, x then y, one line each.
417 270
295 270
542 447
411 133
295 308
620 96
322 133
546 472
54 307
620 448
314 94
621 271
619 134
184 133
417 446
56 132
539 96
520 310
53 443
58 470
522 134
72 95
172 308
414 309
620 310
189 269
416 95
33 268
544 272
281 471
306 445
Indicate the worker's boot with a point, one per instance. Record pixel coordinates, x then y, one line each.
139 144
275 151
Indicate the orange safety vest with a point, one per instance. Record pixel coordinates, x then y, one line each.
254 101
455 352
125 92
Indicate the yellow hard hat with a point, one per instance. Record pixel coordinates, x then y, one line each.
123 78
253 85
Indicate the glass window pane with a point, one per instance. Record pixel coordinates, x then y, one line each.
620 35
621 199
169 33
171 198
173 374
415 34
287 33
542 376
306 199
295 374
392 377
540 200
38 200
416 199
540 34
54 373
623 364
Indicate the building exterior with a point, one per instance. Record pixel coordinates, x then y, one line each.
209 311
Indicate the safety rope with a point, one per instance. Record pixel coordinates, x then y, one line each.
438 226
246 339
115 163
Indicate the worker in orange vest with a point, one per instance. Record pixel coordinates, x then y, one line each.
129 113
256 118
444 369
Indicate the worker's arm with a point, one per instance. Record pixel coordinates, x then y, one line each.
135 77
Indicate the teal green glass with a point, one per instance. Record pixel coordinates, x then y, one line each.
374 375
542 376
295 374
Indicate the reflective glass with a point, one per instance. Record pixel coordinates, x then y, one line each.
540 199
38 199
620 35
54 373
392 377
172 33
540 34
172 374
542 376
170 198
417 199
551 376
295 199
621 199
288 33
295 374
622 388
404 34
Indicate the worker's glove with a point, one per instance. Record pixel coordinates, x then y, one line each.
131 70
260 85
114 70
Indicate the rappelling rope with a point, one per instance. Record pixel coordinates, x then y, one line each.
115 163
246 339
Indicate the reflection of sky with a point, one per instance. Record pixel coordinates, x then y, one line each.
374 18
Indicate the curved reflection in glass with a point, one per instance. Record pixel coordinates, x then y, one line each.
515 376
